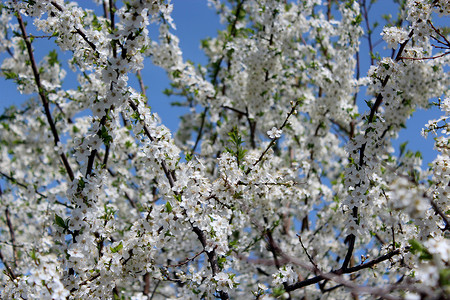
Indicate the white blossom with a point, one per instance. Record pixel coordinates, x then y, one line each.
274 133
280 183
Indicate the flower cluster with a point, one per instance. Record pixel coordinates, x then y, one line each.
278 183
394 36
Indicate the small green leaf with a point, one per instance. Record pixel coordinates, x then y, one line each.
60 222
357 20
117 248
33 255
104 135
10 75
221 262
176 74
278 291
189 156
53 58
444 277
168 207
418 248
403 147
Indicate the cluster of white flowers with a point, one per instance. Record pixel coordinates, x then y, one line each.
405 197
394 36
274 182
286 274
274 133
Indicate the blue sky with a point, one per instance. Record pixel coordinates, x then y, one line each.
195 21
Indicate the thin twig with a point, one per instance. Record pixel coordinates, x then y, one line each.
12 235
334 275
154 290
440 213
43 94
9 271
187 260
425 58
272 142
14 181
200 131
306 251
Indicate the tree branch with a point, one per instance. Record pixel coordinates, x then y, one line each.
42 94
335 274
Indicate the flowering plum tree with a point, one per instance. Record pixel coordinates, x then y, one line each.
276 185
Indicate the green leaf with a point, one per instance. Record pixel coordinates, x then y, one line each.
229 150
33 255
357 20
189 156
418 248
369 103
60 222
221 261
278 291
10 75
402 148
104 135
176 74
53 58
168 207
234 137
117 248
168 92
241 153
444 277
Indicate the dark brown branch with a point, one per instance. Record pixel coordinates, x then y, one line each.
169 175
113 25
105 9
212 258
440 213
141 83
235 110
42 94
373 262
272 142
332 274
351 238
154 289
12 235
77 30
379 99
447 42
187 260
9 271
329 10
90 163
311 260
14 181
200 131
365 13
105 158
425 58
